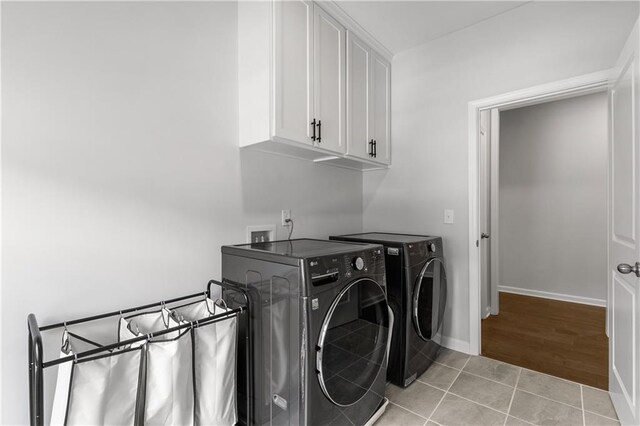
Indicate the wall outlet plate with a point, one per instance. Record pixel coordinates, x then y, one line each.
261 233
286 215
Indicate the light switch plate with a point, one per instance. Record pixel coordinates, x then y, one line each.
448 216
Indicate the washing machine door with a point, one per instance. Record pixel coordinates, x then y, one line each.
353 340
429 299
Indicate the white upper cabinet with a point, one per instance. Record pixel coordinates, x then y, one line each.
293 70
380 121
329 82
296 95
358 95
368 102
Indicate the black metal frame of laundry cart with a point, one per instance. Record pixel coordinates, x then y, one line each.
36 354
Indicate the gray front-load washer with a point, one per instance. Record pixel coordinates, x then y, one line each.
320 329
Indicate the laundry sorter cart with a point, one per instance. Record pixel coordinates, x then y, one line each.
174 361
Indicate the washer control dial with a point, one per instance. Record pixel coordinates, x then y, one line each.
358 263
432 248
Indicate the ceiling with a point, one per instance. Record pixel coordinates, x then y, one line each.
401 25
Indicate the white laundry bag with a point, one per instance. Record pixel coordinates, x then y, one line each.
146 323
214 358
103 389
168 384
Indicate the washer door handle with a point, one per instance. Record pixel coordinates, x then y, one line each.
391 320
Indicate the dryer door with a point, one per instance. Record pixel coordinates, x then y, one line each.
353 342
429 299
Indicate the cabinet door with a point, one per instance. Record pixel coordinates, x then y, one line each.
293 70
358 97
329 81
381 108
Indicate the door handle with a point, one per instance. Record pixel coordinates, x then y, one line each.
483 236
319 131
371 148
623 268
313 126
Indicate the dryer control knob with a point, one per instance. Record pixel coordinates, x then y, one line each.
358 263
432 248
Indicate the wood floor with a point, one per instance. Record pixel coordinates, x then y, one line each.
559 338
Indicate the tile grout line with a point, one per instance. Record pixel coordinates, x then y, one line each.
601 415
476 403
491 380
448 366
522 420
477 375
447 391
554 377
406 409
458 375
584 422
588 386
548 399
512 397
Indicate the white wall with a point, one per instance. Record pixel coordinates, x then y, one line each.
432 84
553 197
121 175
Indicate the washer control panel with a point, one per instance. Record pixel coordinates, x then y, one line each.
357 263
328 269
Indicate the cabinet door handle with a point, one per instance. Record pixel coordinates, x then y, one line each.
371 148
375 148
319 131
313 126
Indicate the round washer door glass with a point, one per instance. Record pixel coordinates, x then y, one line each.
429 299
353 342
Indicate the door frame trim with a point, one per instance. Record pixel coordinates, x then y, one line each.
575 86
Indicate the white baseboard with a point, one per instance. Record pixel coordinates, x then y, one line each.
487 312
554 296
455 344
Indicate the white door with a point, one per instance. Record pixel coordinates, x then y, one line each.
293 70
381 109
329 82
358 77
624 235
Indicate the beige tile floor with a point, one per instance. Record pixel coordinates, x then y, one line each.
472 390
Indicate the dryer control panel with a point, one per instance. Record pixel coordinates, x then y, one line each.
425 249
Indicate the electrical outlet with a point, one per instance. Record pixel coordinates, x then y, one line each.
448 216
286 216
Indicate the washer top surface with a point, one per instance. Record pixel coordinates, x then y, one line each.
387 237
303 248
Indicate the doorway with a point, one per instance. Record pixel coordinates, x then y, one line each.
543 197
484 118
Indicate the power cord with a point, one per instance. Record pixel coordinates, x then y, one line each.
290 230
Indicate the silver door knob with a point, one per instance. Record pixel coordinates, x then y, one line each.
623 268
483 235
